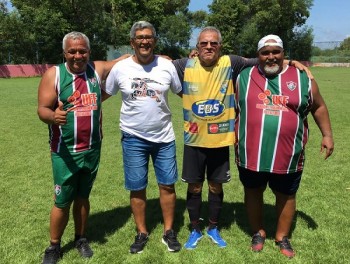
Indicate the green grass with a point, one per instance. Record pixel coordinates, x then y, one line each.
319 233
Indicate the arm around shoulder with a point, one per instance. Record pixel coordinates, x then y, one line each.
299 66
104 67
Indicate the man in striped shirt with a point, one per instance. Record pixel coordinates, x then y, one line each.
69 101
273 101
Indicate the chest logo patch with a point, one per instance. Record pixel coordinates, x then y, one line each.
291 85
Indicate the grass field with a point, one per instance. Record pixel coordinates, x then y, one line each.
319 233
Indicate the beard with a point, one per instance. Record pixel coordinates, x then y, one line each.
271 70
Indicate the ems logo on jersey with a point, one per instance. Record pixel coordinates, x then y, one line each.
291 85
57 189
208 108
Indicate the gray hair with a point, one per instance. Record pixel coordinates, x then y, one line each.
75 35
210 29
142 25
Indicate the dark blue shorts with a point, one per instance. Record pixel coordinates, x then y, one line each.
284 183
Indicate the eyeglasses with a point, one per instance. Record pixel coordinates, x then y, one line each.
204 44
267 52
144 37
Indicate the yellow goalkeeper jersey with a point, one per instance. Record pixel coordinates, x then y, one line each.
208 104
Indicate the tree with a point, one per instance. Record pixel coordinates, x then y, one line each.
171 19
300 45
49 20
229 17
105 22
14 40
345 45
243 23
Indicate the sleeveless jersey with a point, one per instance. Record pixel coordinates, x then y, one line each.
81 97
208 104
271 124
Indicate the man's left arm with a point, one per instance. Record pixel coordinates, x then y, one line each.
320 114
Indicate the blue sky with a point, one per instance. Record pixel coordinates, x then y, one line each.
330 19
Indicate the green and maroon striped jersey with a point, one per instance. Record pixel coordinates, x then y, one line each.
81 97
271 125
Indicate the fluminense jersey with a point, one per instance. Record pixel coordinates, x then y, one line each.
81 97
208 104
271 124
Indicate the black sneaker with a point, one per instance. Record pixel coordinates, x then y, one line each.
170 240
82 245
285 247
140 242
257 242
52 255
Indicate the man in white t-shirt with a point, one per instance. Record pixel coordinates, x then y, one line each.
144 80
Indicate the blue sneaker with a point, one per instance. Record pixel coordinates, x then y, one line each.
193 239
214 235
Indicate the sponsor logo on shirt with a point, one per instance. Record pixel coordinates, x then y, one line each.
272 104
208 108
82 103
217 128
193 128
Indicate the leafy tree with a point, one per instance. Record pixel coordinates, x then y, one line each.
300 45
34 29
49 20
105 22
14 40
243 23
229 17
316 51
345 45
171 19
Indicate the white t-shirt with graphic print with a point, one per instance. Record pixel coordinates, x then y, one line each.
145 111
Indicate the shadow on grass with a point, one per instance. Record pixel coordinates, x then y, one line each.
103 224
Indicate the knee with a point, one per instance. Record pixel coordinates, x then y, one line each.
215 188
195 187
167 188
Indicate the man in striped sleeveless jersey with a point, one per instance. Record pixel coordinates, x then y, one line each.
69 101
273 101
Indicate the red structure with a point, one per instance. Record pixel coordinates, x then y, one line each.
23 70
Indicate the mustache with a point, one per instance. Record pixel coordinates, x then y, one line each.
270 61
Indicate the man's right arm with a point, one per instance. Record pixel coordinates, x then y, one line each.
48 110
